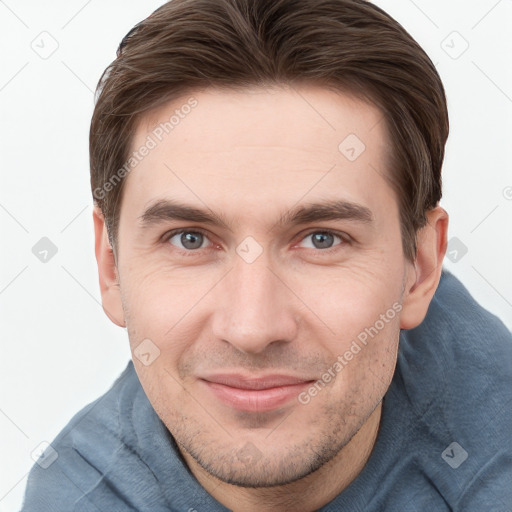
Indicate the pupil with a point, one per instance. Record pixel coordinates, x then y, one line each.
322 240
191 240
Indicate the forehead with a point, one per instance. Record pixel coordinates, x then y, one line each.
262 115
259 144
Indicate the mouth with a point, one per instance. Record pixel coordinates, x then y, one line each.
254 394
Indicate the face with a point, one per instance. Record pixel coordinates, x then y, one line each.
264 323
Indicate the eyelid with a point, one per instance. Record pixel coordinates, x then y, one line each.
344 237
341 234
169 234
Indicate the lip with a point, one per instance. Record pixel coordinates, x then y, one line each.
255 394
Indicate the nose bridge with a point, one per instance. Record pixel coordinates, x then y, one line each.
256 310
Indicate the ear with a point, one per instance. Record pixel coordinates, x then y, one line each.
107 271
423 276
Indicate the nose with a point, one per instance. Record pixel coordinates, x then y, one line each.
254 308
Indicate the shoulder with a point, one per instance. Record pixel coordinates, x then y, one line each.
78 457
458 348
455 373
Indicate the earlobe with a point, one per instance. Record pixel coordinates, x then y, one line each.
107 271
423 277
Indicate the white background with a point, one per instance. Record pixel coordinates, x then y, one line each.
58 349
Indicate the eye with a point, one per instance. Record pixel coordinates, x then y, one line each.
188 240
322 240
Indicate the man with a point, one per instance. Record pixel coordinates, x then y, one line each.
267 177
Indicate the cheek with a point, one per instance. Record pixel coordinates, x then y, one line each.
350 299
363 368
159 302
361 306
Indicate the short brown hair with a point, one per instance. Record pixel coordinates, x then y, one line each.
351 46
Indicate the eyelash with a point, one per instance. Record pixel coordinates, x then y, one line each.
185 252
345 239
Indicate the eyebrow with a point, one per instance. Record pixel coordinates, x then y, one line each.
329 210
167 210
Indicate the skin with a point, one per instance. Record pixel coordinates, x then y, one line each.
251 156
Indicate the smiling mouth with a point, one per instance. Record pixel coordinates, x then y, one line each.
251 394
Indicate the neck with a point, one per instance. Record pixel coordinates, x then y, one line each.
305 495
